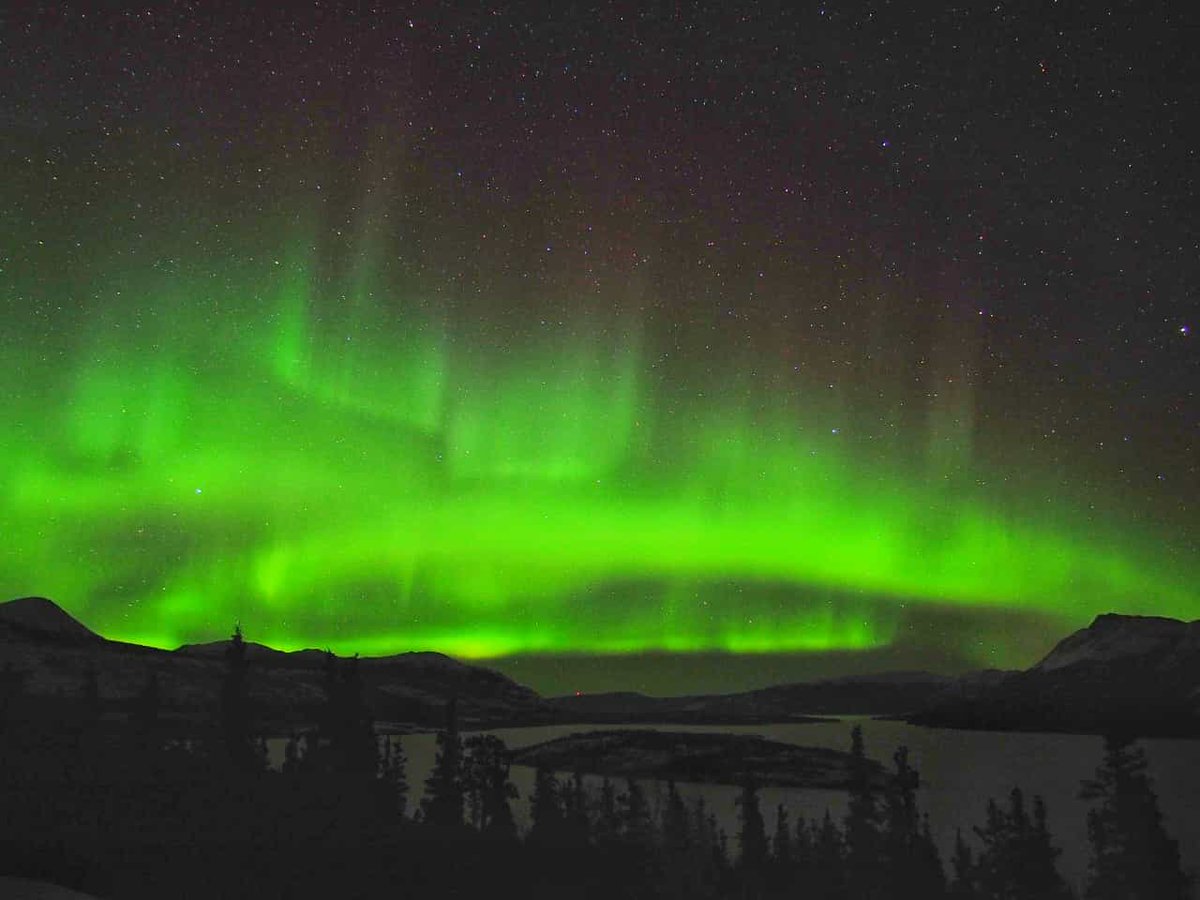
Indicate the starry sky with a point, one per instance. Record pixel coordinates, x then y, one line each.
664 346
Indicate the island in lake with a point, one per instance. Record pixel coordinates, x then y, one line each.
703 758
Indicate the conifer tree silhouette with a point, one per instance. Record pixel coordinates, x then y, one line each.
752 833
911 865
781 842
292 756
828 861
962 864
393 775
674 821
1132 854
545 809
782 865
353 746
442 805
862 828
637 825
929 876
487 786
683 867
576 822
608 818
709 851
238 745
1017 858
802 848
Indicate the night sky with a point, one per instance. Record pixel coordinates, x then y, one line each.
659 346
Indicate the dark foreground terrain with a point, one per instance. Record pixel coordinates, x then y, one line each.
116 781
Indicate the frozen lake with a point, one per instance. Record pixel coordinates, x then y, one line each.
959 770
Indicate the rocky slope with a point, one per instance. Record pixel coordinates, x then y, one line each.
1139 674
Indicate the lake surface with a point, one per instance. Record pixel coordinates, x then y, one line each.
959 770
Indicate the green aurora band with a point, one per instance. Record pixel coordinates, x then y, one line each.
378 474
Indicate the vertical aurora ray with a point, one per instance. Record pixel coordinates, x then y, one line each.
558 414
361 357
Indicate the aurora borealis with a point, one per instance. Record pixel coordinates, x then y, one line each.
405 332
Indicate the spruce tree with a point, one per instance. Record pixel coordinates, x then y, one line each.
962 864
473 781
782 862
637 825
545 809
752 833
828 860
699 816
237 743
705 843
292 757
683 869
1017 858
674 821
487 786
781 843
802 847
345 743
911 865
1132 854
863 839
929 877
721 854
356 746
392 774
577 823
608 818
442 805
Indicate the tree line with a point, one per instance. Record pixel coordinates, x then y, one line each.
131 809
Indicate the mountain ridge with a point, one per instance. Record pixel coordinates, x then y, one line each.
1132 674
1113 635
1139 673
55 658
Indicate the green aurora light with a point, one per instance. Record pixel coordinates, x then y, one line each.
379 473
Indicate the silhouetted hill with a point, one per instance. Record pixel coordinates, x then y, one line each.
886 693
46 617
1113 637
54 653
1139 674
